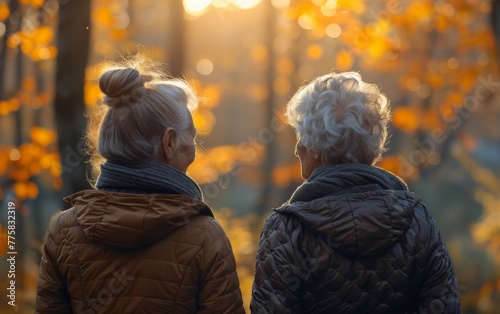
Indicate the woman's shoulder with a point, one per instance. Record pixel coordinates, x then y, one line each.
63 219
282 227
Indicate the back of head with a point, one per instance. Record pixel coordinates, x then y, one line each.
341 117
140 103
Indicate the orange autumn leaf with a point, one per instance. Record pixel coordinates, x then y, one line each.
43 35
37 3
42 136
314 52
4 11
204 121
4 108
344 60
25 190
211 94
281 176
377 48
104 16
406 118
357 6
390 163
91 93
436 81
285 174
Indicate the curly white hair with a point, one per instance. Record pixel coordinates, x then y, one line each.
341 117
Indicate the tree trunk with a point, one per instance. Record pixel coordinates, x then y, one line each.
177 31
270 152
9 29
495 23
69 106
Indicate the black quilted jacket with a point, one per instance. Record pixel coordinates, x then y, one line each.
369 251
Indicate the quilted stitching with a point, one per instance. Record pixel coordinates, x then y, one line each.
300 270
191 269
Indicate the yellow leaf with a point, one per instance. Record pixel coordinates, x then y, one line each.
24 190
406 118
204 121
42 136
43 35
20 174
344 60
4 11
314 51
281 176
212 94
377 48
103 16
91 93
37 3
389 163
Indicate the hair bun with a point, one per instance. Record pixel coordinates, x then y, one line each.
120 84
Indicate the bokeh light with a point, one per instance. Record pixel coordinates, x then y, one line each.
199 7
196 7
15 154
204 66
333 30
280 4
413 84
307 21
453 63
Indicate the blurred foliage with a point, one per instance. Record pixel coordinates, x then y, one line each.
437 53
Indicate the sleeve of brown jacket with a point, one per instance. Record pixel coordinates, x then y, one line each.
51 293
219 286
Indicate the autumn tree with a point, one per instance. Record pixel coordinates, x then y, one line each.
69 106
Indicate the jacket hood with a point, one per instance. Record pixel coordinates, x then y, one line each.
358 224
126 221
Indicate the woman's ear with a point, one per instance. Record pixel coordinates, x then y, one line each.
169 143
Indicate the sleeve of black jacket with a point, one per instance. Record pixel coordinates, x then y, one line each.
439 291
277 284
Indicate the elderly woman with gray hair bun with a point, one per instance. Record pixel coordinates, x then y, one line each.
144 241
352 238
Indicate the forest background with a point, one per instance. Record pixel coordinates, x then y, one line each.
436 60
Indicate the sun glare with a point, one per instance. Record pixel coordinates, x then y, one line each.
246 4
198 7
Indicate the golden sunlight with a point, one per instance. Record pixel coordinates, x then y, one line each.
198 7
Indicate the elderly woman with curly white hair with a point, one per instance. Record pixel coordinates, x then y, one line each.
352 238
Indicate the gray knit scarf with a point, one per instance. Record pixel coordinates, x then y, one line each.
146 177
327 180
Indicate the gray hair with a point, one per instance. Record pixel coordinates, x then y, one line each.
341 117
141 103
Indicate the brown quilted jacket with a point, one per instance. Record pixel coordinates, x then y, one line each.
137 253
371 251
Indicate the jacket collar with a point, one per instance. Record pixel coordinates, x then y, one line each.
126 220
